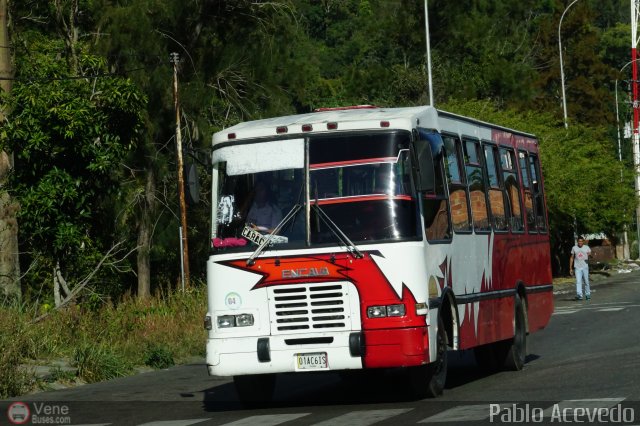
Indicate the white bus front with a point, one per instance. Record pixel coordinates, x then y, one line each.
303 293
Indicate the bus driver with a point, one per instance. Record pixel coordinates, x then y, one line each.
263 215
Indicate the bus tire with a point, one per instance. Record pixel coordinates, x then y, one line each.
255 390
429 380
516 348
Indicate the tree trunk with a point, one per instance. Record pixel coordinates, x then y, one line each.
57 297
145 234
67 13
9 260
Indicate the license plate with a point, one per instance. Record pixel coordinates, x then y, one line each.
311 361
253 235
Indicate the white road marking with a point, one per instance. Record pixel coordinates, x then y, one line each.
588 305
267 419
600 307
363 418
600 403
175 422
461 413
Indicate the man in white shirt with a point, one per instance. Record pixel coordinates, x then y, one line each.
578 262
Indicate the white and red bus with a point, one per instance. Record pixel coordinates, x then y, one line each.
397 234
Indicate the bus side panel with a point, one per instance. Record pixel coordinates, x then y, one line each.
519 258
494 321
540 308
524 259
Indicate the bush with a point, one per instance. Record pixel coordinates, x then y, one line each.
158 356
96 363
102 342
14 379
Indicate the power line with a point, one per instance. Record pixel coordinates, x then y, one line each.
72 77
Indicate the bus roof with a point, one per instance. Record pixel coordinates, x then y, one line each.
363 117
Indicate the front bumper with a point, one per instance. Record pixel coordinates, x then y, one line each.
246 355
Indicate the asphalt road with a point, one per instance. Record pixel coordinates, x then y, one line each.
585 364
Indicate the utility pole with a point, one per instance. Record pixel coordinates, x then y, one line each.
428 39
183 209
635 14
564 97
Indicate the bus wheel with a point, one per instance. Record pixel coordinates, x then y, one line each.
516 348
255 389
429 380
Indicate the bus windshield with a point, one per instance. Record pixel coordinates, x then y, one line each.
252 205
361 182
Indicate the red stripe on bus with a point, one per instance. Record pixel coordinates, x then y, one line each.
353 162
360 198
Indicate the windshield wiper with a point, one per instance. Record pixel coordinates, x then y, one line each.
267 240
351 248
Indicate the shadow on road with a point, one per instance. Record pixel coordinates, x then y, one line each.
354 388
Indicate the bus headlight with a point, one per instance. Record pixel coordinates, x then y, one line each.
244 320
395 310
382 311
226 321
240 320
377 311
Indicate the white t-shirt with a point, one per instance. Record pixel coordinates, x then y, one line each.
267 216
580 256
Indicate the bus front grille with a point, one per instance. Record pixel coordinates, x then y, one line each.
309 308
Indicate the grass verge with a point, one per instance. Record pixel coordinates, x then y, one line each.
101 343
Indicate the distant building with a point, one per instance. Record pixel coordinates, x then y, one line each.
602 249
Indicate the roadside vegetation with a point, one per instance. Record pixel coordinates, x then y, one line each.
88 190
99 342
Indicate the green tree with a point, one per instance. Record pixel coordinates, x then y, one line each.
9 259
588 79
237 63
69 134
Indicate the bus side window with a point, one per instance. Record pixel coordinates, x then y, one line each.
457 188
496 189
529 207
436 209
477 186
435 205
511 189
541 218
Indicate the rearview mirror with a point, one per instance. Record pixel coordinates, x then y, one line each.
192 184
